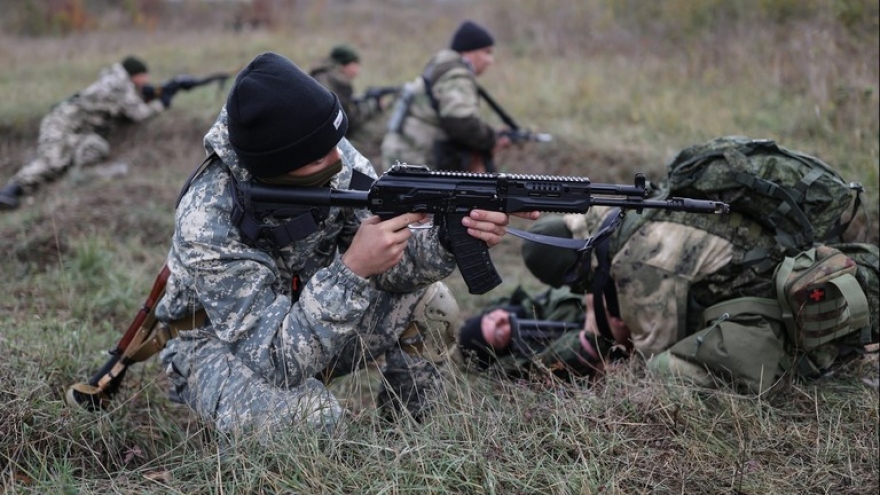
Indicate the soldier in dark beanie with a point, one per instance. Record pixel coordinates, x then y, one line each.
471 36
437 118
269 307
337 72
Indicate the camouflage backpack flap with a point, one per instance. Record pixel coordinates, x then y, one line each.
797 196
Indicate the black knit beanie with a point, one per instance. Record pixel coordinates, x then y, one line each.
280 119
344 55
134 66
470 36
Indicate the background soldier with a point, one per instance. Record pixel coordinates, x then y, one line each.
437 121
337 73
73 133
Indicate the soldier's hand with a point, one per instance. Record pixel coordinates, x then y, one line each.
490 226
379 245
496 328
148 92
501 142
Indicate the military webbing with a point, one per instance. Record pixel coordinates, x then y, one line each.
744 305
155 341
603 289
842 312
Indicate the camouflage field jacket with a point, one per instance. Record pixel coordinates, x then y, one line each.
247 292
113 98
456 117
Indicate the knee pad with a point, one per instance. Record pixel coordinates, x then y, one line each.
431 332
92 149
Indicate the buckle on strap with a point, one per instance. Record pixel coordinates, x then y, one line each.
161 333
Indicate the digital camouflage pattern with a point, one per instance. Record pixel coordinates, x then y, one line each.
457 119
72 134
253 366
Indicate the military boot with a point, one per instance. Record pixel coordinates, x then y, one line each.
9 196
435 321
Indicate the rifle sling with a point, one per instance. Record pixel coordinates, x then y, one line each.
549 240
603 289
504 116
161 333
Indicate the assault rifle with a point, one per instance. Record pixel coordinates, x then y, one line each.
450 196
183 82
376 93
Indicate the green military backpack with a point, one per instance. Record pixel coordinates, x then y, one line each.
825 295
797 196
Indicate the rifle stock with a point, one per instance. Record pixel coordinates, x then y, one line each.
449 196
95 393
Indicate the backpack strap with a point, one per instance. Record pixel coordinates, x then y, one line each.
787 203
804 184
195 173
431 74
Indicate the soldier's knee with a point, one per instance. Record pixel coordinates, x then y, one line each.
91 150
431 333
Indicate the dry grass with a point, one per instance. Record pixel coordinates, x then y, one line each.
621 91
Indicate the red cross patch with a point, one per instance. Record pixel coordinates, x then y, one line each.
816 294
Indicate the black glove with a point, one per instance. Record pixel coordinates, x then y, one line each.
148 92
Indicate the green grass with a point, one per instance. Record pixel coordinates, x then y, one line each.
620 90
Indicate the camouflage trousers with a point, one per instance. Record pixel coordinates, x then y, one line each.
223 386
60 147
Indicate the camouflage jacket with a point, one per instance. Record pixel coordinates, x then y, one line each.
330 76
669 266
247 292
113 98
456 117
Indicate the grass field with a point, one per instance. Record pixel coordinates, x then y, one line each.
622 86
